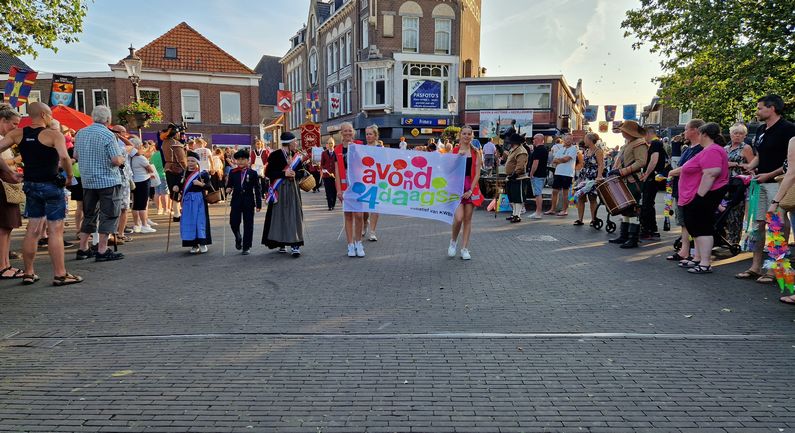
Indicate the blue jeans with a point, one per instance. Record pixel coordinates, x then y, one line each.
44 199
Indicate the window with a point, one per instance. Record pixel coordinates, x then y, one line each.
365 35
230 108
313 67
329 59
509 96
33 96
151 97
80 100
442 39
430 80
411 32
100 97
191 105
171 53
375 87
685 116
348 43
335 56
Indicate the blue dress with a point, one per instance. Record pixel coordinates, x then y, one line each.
194 226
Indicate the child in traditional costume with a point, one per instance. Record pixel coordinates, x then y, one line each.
194 226
284 220
244 185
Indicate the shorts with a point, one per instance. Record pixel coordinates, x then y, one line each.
700 213
561 182
161 189
101 209
76 190
538 185
679 212
172 180
467 186
44 199
767 192
488 160
141 195
125 194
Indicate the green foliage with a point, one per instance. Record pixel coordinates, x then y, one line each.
451 133
719 56
27 25
151 113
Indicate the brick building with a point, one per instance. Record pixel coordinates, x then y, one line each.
186 76
392 63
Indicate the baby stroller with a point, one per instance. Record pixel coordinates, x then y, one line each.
735 196
587 187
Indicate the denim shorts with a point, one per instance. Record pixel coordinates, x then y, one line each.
44 199
538 185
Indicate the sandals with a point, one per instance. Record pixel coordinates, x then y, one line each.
17 273
748 275
28 279
766 279
688 264
579 223
787 300
562 214
66 280
677 257
698 269
549 212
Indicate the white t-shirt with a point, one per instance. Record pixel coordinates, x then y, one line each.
566 168
139 164
204 157
489 148
403 145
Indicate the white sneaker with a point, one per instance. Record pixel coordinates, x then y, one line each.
451 249
147 229
149 222
359 249
136 229
161 211
195 250
373 238
203 249
465 254
535 216
351 250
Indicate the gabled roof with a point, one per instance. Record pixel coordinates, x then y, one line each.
7 61
194 53
271 71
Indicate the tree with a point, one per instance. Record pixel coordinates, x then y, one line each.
719 56
30 24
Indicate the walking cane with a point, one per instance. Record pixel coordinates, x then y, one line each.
226 218
168 236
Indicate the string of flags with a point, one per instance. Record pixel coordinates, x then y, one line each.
629 111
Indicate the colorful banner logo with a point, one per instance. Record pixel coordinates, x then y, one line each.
610 112
62 91
603 126
313 105
404 182
17 89
630 112
590 113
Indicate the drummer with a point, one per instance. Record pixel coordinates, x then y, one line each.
630 161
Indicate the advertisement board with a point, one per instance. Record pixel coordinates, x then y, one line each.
425 94
495 122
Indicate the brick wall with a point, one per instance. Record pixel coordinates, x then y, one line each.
390 45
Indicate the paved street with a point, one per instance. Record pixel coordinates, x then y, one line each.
547 329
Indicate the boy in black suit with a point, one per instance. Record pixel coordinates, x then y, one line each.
244 185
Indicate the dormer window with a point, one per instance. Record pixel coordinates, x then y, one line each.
171 53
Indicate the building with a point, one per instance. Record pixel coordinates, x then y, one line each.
185 75
270 120
668 120
541 104
392 63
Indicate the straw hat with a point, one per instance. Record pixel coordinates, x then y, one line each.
632 128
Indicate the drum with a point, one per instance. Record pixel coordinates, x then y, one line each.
613 192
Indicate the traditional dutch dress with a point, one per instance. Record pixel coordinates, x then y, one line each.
194 227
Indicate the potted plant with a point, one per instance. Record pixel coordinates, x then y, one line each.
137 115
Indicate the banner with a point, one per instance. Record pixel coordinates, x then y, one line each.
425 94
18 86
602 126
334 103
610 112
494 123
404 182
590 113
62 91
616 125
284 101
313 105
630 112
310 135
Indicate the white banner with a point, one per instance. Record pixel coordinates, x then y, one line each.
404 182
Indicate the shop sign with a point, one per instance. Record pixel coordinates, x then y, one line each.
425 94
422 121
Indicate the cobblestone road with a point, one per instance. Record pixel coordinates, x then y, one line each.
547 329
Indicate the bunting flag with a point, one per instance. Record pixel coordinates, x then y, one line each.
602 126
334 103
630 112
590 113
18 86
616 125
610 112
313 105
62 91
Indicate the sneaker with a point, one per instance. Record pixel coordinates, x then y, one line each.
108 256
82 255
149 222
203 249
282 250
351 250
176 219
535 216
67 244
147 229
136 229
245 252
451 249
295 251
194 250
359 249
372 237
161 211
465 254
128 230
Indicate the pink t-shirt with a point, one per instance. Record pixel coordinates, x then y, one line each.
713 156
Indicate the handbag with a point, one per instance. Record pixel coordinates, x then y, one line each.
788 202
14 193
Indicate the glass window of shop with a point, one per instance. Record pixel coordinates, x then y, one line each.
508 97
416 72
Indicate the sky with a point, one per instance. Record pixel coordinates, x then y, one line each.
576 38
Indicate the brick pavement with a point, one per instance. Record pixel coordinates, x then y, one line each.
327 343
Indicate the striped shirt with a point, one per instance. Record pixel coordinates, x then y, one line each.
96 146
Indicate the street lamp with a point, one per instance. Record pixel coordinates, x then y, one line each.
452 107
133 65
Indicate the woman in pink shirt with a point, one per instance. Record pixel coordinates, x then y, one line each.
701 188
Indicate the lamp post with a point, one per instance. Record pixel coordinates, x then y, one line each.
133 64
452 107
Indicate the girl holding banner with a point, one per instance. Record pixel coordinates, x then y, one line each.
371 137
354 222
462 221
